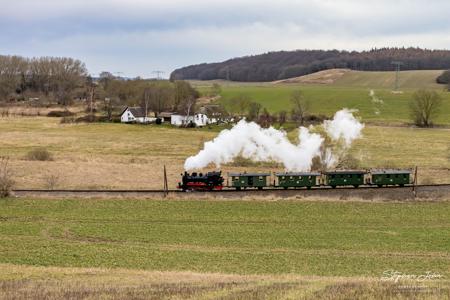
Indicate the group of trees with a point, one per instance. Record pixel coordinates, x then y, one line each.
255 112
151 95
55 78
60 80
286 64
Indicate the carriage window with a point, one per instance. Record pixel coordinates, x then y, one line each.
309 177
260 178
300 177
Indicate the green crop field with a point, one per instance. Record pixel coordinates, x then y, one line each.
349 91
327 239
326 100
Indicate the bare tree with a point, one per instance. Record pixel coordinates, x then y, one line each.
6 177
109 105
67 74
12 70
52 181
266 119
254 111
300 107
182 91
158 97
240 104
188 104
282 117
424 107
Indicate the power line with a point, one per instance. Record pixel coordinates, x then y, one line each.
158 74
397 71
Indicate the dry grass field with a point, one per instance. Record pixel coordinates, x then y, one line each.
28 282
132 156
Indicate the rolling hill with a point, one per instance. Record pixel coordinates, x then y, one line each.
287 64
376 79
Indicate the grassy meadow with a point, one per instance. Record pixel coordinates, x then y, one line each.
326 100
132 156
351 90
279 249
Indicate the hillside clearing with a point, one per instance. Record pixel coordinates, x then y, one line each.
373 80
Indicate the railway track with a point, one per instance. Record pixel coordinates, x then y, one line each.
438 191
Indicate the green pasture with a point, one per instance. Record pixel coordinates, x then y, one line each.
327 99
243 237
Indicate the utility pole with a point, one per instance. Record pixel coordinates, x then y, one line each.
397 65
158 74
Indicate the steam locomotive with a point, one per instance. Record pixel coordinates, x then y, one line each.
214 180
201 182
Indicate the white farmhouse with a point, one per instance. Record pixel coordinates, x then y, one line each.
135 115
199 120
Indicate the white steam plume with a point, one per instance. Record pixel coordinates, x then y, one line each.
344 126
251 141
259 144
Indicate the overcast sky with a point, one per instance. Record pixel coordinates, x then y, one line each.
136 37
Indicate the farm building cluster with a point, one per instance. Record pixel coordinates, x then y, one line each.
205 116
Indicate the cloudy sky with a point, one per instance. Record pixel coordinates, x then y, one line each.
137 37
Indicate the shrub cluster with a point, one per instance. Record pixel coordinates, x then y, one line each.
40 154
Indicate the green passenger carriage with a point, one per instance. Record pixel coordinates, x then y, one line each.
345 178
390 177
298 180
248 180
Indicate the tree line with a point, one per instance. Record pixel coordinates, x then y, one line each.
62 80
151 95
286 64
55 78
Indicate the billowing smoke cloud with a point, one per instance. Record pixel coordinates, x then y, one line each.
344 126
249 140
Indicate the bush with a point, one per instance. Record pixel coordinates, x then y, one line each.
40 154
425 107
6 180
444 78
91 119
60 113
67 120
348 161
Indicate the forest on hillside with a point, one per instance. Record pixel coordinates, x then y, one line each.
286 64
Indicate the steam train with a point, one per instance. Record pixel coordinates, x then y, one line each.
201 182
238 181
